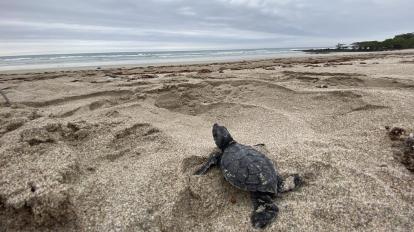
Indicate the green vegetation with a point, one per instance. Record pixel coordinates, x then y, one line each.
403 41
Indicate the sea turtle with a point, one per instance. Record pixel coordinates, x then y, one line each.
250 170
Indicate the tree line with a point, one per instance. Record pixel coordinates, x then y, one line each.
403 41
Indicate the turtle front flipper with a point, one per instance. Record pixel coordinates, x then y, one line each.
214 159
264 210
290 183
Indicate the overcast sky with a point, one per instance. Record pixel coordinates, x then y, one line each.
71 26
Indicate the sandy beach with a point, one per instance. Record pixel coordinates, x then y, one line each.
114 149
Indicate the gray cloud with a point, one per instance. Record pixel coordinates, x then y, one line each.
44 26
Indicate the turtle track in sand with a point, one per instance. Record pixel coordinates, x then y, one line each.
199 98
148 138
64 100
217 97
95 105
345 80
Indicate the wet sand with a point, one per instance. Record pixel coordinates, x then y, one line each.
114 149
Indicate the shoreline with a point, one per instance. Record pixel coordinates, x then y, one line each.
85 60
224 60
178 61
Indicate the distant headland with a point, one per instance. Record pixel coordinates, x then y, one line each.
399 42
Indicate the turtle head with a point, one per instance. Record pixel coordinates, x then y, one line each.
221 136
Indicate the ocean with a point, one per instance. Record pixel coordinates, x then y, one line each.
26 62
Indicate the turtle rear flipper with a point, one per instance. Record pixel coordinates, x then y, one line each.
265 211
290 183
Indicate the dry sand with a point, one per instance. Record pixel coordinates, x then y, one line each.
115 149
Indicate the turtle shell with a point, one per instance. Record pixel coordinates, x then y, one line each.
248 169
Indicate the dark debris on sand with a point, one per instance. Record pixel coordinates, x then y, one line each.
403 146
